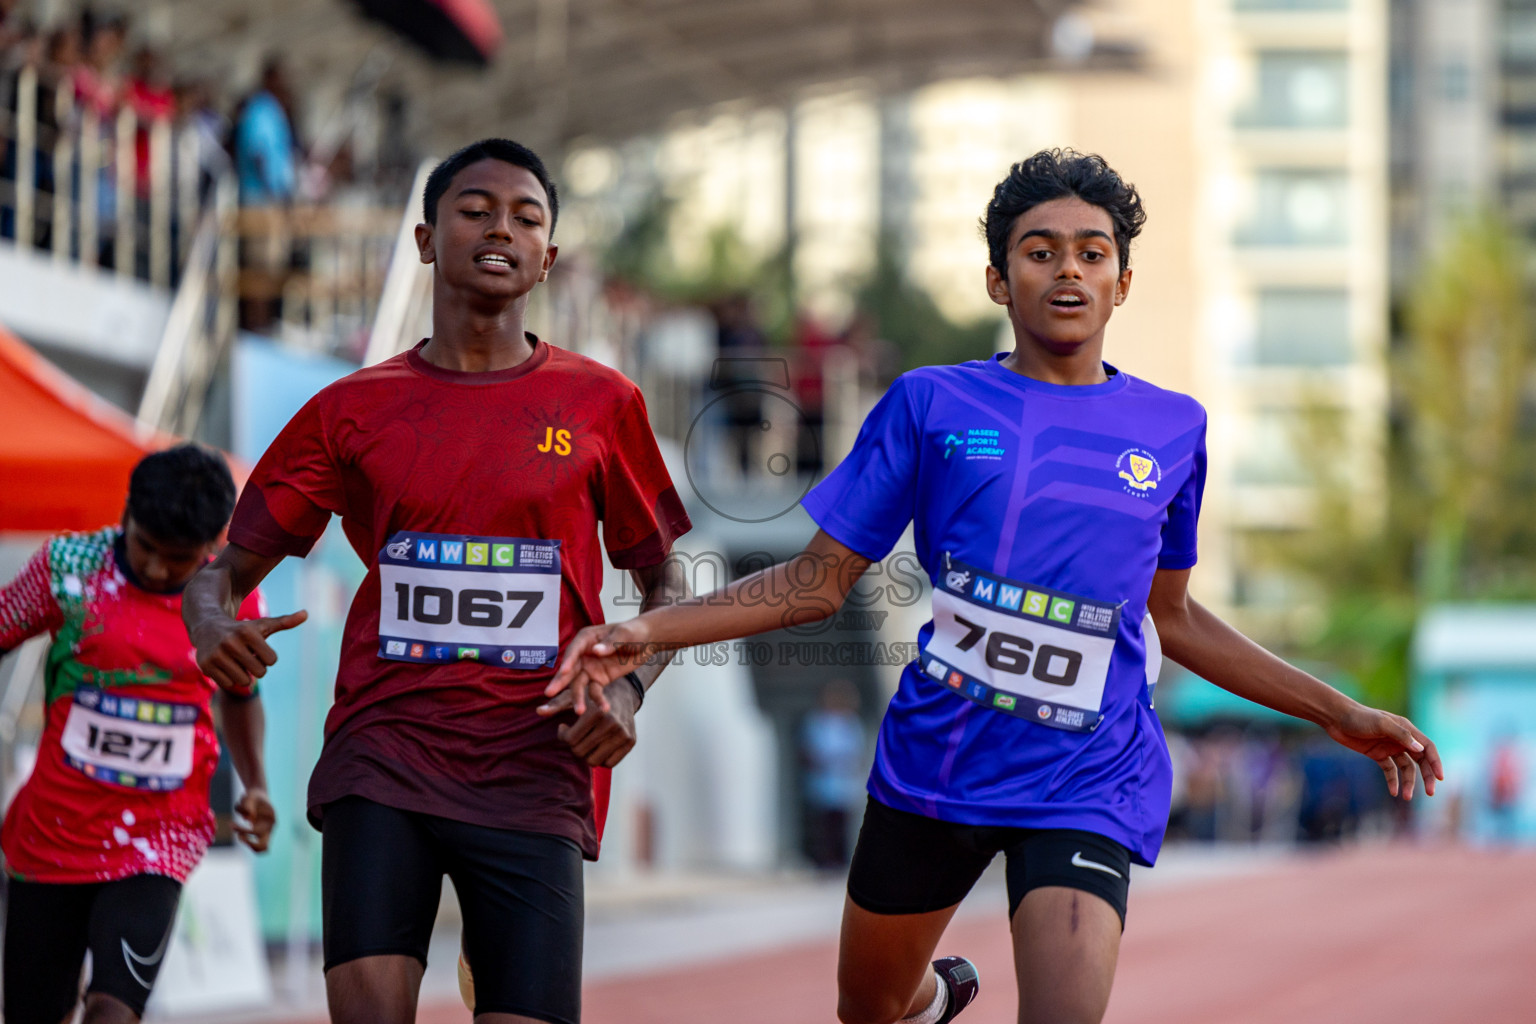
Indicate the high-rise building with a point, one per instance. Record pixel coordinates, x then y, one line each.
1463 119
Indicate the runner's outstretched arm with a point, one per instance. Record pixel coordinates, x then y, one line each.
233 653
807 588
245 729
1200 641
605 731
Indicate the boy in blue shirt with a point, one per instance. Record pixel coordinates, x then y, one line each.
1054 502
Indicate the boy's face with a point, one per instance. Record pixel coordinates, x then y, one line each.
162 566
1063 276
491 238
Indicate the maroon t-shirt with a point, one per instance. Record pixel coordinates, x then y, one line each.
546 451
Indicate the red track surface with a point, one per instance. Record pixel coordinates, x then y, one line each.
1368 936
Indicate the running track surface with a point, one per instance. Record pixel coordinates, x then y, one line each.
1371 935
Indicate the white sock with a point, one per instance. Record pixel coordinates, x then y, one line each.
936 1008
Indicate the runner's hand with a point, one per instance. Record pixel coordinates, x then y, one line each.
255 819
234 653
595 657
1394 743
602 736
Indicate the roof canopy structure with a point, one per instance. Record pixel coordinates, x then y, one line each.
614 69
65 455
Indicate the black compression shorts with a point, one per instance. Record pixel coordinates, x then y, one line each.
520 893
906 863
125 924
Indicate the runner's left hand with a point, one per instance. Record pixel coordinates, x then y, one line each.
255 819
603 736
1394 743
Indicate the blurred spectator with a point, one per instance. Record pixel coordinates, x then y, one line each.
832 752
98 90
21 49
1506 778
14 26
810 347
738 337
266 162
1232 784
1342 794
198 114
879 360
1204 790
149 95
265 155
98 85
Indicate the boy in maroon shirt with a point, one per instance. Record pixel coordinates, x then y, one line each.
471 475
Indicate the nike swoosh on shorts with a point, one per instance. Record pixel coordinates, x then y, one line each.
130 957
1079 862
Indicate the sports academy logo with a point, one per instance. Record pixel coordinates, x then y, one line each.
979 443
1140 471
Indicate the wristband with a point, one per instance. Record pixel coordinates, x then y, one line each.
634 680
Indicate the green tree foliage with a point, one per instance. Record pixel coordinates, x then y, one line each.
1453 519
906 316
643 255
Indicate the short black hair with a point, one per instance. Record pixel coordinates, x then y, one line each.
182 495
1057 174
505 150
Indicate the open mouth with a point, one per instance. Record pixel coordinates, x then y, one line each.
492 259
1068 302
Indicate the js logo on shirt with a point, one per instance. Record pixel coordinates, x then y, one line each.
558 441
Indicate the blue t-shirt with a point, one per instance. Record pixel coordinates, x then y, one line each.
1055 504
264 155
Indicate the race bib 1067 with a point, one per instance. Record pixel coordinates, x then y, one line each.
447 597
1025 650
125 741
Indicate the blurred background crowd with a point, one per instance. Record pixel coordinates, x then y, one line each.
769 211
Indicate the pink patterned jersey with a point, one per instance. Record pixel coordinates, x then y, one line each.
128 748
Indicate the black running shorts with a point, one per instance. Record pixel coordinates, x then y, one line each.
520 893
907 863
125 924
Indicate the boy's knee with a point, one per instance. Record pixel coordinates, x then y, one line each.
869 1010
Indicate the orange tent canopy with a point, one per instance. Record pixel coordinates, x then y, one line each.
65 454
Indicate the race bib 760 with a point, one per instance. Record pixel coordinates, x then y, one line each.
1025 650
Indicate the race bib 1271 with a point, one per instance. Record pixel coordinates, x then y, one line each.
126 741
448 597
1025 650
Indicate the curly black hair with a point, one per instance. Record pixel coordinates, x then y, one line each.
182 495
1056 174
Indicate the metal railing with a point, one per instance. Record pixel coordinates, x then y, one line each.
77 190
201 322
404 313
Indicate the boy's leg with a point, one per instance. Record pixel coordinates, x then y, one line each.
130 930
1067 895
908 876
523 903
884 970
46 931
381 880
1065 945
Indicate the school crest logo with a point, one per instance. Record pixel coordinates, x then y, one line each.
1140 471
